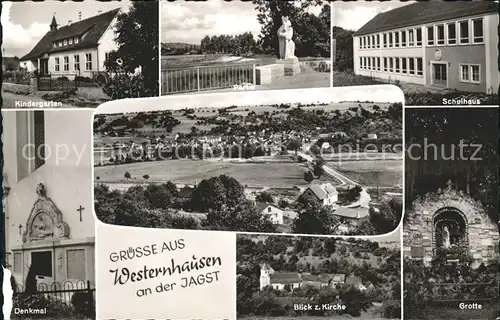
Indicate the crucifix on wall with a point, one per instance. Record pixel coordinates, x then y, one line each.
80 209
20 228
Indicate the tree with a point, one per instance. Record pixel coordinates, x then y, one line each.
269 16
127 175
294 145
138 44
146 176
264 197
313 218
318 170
308 176
353 193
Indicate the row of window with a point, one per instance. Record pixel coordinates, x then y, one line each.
402 65
65 42
76 63
460 32
403 38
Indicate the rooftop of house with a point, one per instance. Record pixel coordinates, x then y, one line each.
94 27
263 205
424 12
323 191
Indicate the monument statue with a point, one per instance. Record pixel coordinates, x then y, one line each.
286 44
446 237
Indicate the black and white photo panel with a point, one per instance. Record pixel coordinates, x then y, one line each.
284 277
58 55
437 52
47 211
450 225
326 161
216 46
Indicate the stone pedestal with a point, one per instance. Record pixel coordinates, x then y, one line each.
267 73
291 65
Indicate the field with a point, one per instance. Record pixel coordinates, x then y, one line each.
193 171
383 173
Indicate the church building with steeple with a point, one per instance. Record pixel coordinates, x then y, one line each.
76 48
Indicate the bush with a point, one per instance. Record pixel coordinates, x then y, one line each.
63 78
127 86
83 303
84 79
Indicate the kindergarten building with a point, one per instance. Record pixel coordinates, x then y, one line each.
443 44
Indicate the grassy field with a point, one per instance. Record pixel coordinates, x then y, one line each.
384 173
193 171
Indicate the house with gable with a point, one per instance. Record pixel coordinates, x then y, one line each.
77 49
292 280
325 193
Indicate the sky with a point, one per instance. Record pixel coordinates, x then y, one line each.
353 15
25 23
189 22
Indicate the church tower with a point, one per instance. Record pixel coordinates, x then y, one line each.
53 24
265 275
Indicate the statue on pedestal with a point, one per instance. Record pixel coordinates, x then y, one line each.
286 44
446 237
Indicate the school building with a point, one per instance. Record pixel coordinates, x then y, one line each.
446 44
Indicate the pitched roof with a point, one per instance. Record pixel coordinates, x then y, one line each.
285 277
423 12
323 191
261 206
94 27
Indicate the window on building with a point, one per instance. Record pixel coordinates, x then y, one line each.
403 66
470 73
378 41
60 43
57 65
65 42
477 30
420 65
430 36
391 64
88 61
390 39
77 40
411 63
463 28
385 64
378 64
374 45
397 65
464 73
66 63
403 38
475 72
54 44
369 63
369 42
440 34
70 40
384 38
452 33
76 60
418 32
374 64
396 39
361 62
411 41
361 42
269 209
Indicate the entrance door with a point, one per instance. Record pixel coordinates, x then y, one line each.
439 74
44 67
41 266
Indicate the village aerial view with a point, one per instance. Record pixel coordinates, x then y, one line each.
334 169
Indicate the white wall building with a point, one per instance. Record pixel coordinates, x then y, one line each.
445 44
76 49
